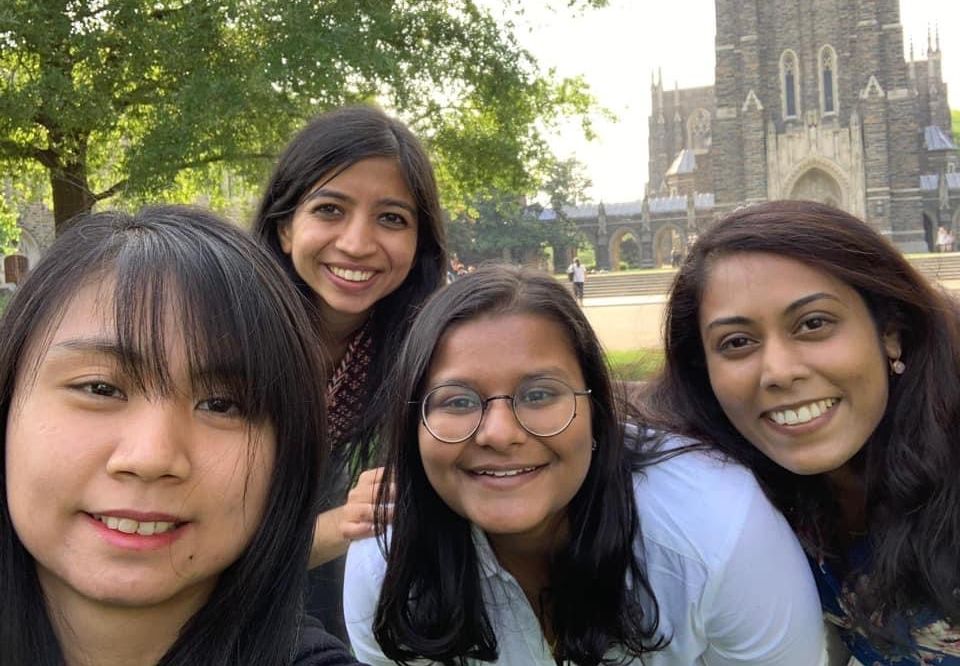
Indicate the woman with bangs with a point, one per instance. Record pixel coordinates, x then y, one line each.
160 452
802 344
353 215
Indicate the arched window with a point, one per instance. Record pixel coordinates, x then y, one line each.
828 80
698 130
790 84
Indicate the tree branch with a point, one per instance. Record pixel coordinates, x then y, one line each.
110 191
13 150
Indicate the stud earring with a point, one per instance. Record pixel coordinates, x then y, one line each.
897 366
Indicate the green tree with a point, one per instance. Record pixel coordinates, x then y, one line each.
119 96
565 185
502 227
955 115
497 227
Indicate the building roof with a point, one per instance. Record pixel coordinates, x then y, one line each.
685 162
701 201
934 138
590 211
931 181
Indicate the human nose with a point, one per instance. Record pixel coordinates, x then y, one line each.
152 445
782 364
356 238
499 427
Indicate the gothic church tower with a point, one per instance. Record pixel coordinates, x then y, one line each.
814 99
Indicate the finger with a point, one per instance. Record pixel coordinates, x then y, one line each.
358 531
370 476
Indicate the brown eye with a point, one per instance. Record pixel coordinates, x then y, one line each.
218 405
394 221
734 342
101 389
814 324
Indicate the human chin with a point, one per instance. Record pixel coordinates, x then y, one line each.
811 458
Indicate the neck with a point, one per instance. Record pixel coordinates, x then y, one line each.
339 328
527 557
92 633
851 494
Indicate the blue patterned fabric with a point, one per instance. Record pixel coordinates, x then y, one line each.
931 641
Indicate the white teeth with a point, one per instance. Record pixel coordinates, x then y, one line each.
504 473
351 275
803 414
130 526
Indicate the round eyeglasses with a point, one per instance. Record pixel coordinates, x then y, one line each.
544 407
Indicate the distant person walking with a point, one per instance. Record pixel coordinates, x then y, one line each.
942 239
578 275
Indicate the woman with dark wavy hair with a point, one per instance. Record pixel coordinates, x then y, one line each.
525 530
352 213
802 344
159 456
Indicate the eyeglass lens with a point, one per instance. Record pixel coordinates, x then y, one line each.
543 407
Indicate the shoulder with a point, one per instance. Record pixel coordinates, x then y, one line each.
364 571
696 503
730 577
365 567
318 648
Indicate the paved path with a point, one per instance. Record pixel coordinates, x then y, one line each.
627 322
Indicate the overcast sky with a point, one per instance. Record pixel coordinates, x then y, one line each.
617 47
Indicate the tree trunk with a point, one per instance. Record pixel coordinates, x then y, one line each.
71 193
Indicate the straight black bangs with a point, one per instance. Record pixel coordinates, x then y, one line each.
211 297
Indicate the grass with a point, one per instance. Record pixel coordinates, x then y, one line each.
635 365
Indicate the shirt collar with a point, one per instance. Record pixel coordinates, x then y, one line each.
489 565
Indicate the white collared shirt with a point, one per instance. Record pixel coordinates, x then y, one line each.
730 577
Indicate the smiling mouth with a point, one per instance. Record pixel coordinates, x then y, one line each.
130 526
804 413
350 275
506 473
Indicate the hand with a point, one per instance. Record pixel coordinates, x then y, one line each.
336 528
357 515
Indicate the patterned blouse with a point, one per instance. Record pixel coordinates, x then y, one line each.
931 640
346 390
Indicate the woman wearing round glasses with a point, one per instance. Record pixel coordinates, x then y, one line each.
516 538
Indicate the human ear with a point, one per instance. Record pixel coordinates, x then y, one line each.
284 233
891 345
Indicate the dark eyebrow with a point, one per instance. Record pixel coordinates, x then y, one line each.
793 307
129 356
102 346
335 194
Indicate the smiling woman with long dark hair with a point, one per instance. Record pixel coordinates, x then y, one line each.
352 214
161 444
531 526
804 345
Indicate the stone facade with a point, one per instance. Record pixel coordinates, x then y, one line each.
814 99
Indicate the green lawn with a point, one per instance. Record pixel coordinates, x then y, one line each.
635 365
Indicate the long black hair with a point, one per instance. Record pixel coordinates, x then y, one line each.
330 143
238 313
911 462
431 603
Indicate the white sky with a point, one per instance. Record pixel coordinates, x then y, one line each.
617 47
